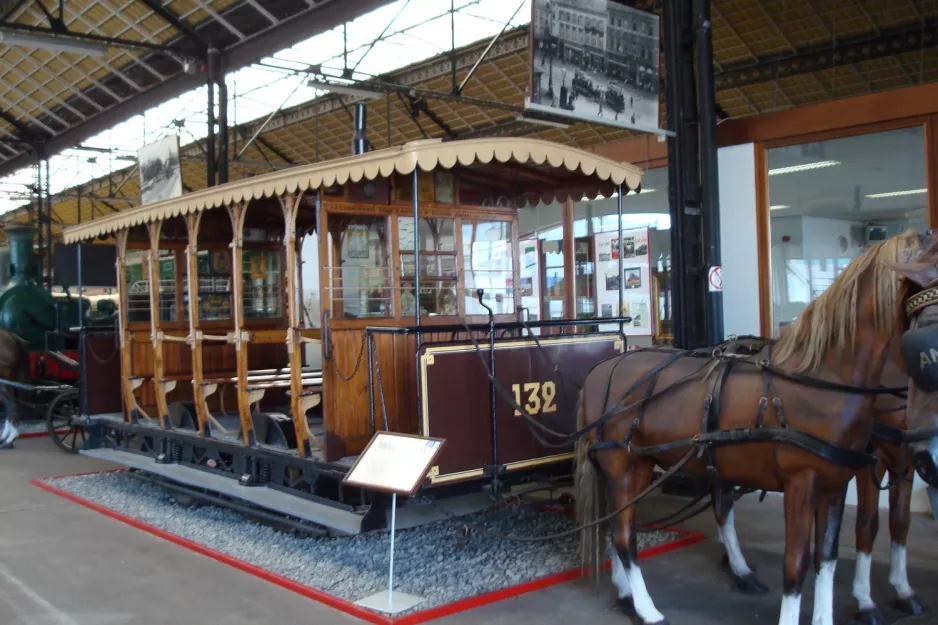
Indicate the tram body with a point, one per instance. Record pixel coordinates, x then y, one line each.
419 274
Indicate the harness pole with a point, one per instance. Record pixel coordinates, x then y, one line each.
391 566
621 260
417 286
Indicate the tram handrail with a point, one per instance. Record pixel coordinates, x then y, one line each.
504 325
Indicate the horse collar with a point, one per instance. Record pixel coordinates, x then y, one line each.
921 300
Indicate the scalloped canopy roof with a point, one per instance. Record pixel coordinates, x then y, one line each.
536 170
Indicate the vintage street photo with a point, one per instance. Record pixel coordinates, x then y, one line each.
595 59
160 171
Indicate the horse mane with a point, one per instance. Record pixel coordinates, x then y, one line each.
830 321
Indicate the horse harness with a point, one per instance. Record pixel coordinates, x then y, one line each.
711 436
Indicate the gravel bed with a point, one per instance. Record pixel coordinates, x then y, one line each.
436 561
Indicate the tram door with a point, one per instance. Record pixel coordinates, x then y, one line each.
552 283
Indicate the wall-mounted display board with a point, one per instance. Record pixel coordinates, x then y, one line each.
636 280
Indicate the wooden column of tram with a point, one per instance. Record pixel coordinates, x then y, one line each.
195 335
127 390
160 387
290 206
240 336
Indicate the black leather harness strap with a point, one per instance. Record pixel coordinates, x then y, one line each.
771 434
712 408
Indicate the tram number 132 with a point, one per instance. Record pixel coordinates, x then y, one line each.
538 397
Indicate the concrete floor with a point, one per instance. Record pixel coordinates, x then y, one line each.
62 564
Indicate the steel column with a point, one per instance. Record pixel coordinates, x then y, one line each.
709 175
222 122
684 177
210 140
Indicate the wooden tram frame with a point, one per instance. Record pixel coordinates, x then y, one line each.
297 201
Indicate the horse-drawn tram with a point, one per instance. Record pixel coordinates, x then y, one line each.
419 289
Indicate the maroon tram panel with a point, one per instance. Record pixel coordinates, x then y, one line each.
456 404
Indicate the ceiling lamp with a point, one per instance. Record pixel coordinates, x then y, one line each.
897 193
343 89
50 42
797 168
540 122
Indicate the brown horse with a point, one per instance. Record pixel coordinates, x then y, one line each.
843 338
897 458
14 366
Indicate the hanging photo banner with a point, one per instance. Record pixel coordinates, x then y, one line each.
636 280
160 170
595 61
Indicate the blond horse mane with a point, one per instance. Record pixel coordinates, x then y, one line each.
830 321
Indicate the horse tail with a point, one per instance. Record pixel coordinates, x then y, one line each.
589 486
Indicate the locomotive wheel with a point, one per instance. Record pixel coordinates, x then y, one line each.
63 422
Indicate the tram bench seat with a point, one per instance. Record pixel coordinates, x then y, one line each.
271 380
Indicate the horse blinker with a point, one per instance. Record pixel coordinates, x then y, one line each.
920 353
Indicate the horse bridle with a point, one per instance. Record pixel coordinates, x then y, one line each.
920 341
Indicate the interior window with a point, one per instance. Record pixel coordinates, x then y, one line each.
214 267
487 264
138 285
829 200
261 275
359 271
438 271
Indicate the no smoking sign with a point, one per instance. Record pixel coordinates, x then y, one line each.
715 279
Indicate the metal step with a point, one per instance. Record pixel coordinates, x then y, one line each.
339 521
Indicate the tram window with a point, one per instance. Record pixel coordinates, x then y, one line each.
359 268
487 264
214 275
262 277
438 265
138 286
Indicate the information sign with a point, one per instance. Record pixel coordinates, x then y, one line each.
394 463
715 278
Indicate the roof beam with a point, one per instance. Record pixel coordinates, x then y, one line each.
173 20
64 36
911 37
319 18
277 151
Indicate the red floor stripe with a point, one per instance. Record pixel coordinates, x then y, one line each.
462 605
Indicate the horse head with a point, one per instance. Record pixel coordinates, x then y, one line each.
917 312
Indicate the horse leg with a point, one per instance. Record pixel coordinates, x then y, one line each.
624 540
745 579
866 530
830 514
900 498
801 500
621 580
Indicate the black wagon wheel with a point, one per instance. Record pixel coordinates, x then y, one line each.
63 421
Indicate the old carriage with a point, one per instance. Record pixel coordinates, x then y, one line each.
216 388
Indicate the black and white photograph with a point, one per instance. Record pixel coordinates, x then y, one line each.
160 171
633 277
595 60
612 280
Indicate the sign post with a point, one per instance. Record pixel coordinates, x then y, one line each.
396 464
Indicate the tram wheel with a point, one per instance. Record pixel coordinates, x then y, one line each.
63 422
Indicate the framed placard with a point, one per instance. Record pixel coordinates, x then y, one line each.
394 463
